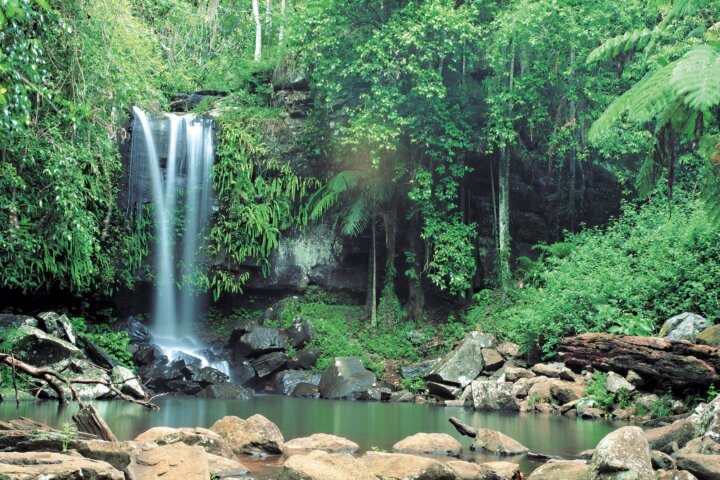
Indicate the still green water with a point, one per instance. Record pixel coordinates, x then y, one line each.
370 424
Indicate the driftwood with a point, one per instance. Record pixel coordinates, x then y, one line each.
463 428
676 364
56 381
88 420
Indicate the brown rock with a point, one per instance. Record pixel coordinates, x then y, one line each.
466 470
324 442
397 466
544 370
513 374
255 435
565 392
704 467
437 444
662 438
45 465
492 359
710 336
674 475
497 442
319 465
560 470
544 407
622 454
509 349
674 363
210 441
661 461
219 464
176 461
117 454
499 470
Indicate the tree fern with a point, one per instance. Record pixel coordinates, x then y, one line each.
356 218
635 40
697 77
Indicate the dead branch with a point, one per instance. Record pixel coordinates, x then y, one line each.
463 428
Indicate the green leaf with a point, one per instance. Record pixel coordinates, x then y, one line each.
697 77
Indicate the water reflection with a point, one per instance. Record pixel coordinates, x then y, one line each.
371 425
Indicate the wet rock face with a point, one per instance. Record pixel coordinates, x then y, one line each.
346 378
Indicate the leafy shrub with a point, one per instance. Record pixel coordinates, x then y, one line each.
649 264
113 343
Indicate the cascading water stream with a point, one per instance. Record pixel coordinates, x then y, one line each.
181 186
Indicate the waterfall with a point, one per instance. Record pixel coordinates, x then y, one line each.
173 155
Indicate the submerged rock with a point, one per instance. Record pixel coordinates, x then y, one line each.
346 378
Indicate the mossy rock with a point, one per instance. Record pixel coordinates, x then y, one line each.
710 336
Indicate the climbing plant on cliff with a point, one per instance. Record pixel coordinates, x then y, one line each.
258 197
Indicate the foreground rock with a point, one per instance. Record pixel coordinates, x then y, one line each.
622 455
118 454
676 364
560 470
497 443
51 466
176 461
346 378
256 435
396 466
704 467
206 439
670 437
322 441
437 444
466 470
500 471
319 465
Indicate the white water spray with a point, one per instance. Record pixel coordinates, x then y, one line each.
181 190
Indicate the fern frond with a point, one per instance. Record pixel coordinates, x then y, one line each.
697 77
635 40
356 218
344 181
683 8
644 101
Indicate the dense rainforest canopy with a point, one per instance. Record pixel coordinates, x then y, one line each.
409 99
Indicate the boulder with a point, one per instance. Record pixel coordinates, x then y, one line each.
127 382
677 433
73 369
258 341
500 471
565 392
545 370
686 326
322 441
256 435
10 320
541 388
269 363
346 378
95 354
39 348
492 360
419 369
206 439
320 465
118 454
300 332
704 467
443 390
136 330
466 470
560 470
635 379
437 444
622 455
284 383
306 390
205 375
615 383
513 374
491 395
57 325
464 363
397 466
170 461
242 372
306 358
146 355
402 396
185 387
226 391
497 443
225 467
509 349
45 465
710 336
674 475
707 418
158 374
662 461
671 363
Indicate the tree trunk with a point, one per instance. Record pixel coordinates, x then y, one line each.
504 221
268 18
416 298
281 32
373 280
258 29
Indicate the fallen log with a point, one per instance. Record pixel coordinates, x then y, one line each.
463 428
675 364
88 420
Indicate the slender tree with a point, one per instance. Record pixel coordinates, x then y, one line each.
258 29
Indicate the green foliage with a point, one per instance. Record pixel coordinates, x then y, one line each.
596 390
414 385
662 407
390 311
647 265
113 343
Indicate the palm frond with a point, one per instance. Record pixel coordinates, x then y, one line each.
344 181
357 218
697 77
